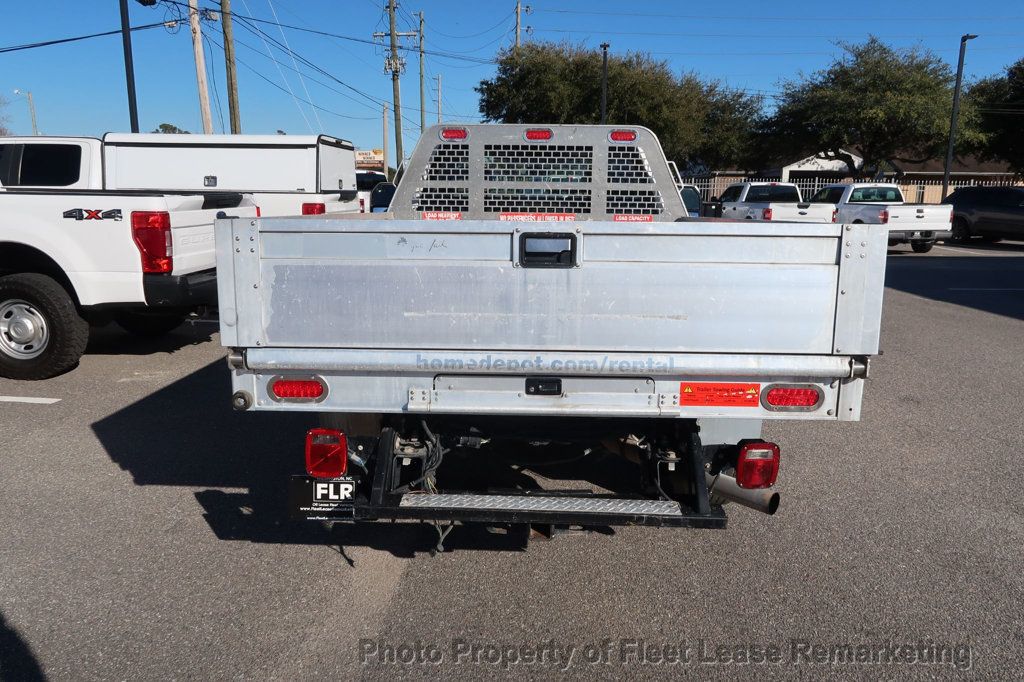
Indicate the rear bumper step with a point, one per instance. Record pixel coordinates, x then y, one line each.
547 509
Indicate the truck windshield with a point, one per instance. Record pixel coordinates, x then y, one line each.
873 195
828 195
691 199
773 193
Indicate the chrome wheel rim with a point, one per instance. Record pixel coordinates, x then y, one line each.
24 333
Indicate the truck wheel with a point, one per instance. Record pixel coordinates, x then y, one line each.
41 332
149 323
961 231
922 247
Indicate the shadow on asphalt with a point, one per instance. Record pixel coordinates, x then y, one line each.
991 284
110 339
17 662
186 434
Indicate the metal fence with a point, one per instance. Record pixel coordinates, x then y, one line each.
914 191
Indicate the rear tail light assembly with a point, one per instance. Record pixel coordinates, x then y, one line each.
305 389
757 465
326 453
883 215
314 209
835 215
259 213
362 205
151 231
622 136
454 134
792 397
950 216
766 214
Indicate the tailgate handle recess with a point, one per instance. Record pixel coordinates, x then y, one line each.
547 250
543 386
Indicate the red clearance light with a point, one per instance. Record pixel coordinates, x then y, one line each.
151 231
766 214
454 134
258 212
757 465
622 136
314 209
883 215
326 453
297 389
792 397
534 134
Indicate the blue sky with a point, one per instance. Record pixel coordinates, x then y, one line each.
79 87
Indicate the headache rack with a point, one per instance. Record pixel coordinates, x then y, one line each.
538 174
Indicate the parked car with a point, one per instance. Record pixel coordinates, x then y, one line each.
992 213
478 324
366 181
770 201
691 199
919 225
73 251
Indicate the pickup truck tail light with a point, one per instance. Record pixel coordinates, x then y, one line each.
314 209
835 214
362 205
757 465
883 216
326 453
151 231
950 216
766 214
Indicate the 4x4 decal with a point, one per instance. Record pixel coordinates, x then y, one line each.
91 214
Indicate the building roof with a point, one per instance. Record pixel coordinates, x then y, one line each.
963 165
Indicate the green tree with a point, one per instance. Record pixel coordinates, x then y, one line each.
885 103
561 84
169 129
999 103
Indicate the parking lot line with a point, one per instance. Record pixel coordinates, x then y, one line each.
28 399
961 250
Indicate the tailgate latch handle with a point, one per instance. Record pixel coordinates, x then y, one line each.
547 250
543 386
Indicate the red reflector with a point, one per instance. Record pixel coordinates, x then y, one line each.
622 136
792 397
757 465
539 134
151 231
454 133
314 209
309 389
883 215
326 453
766 214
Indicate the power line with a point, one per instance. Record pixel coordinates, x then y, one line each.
61 41
832 19
476 35
301 81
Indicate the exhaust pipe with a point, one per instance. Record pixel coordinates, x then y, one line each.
763 500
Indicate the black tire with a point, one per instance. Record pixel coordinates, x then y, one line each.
991 240
42 309
149 323
961 231
922 247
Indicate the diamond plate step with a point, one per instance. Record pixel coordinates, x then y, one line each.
539 503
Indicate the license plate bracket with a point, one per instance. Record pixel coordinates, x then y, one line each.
317 499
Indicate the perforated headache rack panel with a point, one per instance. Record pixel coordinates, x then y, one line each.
494 172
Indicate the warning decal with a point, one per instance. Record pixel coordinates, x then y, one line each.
442 215
707 394
633 218
537 217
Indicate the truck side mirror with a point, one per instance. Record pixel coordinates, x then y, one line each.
380 197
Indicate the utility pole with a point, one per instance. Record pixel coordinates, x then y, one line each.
423 97
384 137
518 22
395 64
439 99
197 51
604 83
129 67
31 108
229 65
956 112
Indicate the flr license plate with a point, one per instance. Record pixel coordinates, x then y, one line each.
316 499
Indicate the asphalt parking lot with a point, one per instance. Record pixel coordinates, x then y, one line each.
142 531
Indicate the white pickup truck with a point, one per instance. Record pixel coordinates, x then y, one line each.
882 204
778 201
74 251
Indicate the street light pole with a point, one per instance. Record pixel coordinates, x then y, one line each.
956 112
604 83
129 67
31 108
